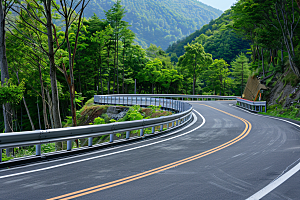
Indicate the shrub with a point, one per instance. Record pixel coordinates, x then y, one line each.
99 120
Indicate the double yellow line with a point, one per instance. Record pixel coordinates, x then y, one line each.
111 184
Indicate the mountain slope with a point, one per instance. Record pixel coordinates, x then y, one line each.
159 22
218 39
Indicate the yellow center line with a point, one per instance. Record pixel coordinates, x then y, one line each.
111 184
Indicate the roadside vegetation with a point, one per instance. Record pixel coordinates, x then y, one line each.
92 114
277 110
48 71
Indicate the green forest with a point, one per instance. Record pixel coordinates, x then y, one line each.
217 37
159 22
54 57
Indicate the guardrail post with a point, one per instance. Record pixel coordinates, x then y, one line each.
69 145
127 134
90 141
168 125
38 149
161 127
173 123
111 137
142 132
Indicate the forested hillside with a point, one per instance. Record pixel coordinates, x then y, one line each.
217 38
159 22
49 71
273 29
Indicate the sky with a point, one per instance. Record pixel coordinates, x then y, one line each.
219 4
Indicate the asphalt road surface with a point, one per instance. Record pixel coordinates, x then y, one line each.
226 154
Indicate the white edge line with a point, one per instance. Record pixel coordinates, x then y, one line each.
271 186
92 158
279 180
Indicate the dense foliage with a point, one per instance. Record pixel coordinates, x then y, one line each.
159 22
98 55
217 38
92 56
273 29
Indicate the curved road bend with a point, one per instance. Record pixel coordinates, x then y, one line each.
229 157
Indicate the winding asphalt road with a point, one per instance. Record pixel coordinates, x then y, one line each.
226 154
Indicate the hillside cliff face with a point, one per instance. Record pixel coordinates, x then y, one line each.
159 22
284 91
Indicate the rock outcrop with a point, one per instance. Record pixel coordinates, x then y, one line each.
116 112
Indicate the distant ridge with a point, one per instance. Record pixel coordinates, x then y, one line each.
159 21
219 39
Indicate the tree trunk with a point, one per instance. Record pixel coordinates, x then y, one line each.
50 108
242 80
194 77
98 79
55 99
114 85
28 114
39 117
100 68
287 34
108 82
25 104
262 62
118 90
123 69
115 57
152 88
7 110
72 101
224 88
43 99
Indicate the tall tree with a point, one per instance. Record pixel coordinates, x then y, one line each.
114 17
7 110
101 39
37 16
240 71
67 11
216 75
195 59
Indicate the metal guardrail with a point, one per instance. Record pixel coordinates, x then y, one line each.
171 102
256 106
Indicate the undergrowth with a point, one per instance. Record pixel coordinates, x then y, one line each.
278 111
97 115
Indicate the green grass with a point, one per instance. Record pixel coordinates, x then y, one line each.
278 111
